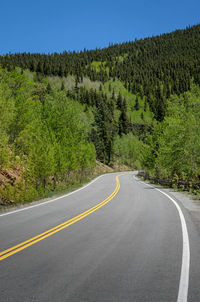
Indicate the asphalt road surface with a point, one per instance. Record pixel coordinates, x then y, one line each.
117 239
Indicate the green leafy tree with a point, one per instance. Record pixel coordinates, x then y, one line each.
128 150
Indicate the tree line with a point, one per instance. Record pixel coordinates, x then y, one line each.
154 67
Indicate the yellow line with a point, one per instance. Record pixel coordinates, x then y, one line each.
21 246
58 226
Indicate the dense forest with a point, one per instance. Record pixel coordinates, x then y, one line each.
134 104
44 136
154 67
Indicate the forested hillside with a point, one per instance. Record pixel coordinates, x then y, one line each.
44 137
173 149
154 67
135 103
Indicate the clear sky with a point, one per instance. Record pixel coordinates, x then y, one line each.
48 26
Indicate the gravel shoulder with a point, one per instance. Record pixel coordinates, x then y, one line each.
188 201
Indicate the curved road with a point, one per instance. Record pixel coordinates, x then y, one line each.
117 239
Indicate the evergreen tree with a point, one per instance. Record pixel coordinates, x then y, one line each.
136 106
49 88
119 101
123 120
62 86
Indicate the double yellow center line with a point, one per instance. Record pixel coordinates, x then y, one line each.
21 246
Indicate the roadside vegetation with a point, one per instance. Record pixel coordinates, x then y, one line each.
172 151
44 136
135 104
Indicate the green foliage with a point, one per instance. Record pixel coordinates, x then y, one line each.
43 132
134 116
4 149
59 112
104 129
128 150
137 106
5 117
173 150
123 119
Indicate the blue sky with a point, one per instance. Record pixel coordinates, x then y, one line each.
55 26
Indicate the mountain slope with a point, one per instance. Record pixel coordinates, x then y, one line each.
155 67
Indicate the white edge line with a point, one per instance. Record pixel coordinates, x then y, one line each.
185 268
52 200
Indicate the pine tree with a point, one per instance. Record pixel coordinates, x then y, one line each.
145 105
123 119
49 88
62 86
136 106
119 101
113 95
76 88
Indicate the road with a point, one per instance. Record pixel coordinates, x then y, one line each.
117 239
